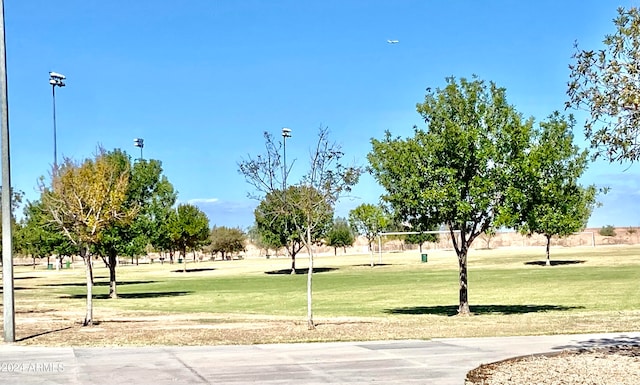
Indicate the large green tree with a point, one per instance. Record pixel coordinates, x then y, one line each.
16 201
274 224
369 220
278 218
606 83
189 230
461 170
227 240
340 235
39 237
148 192
557 205
84 199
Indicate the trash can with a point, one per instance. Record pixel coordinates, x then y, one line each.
49 266
179 260
68 264
424 258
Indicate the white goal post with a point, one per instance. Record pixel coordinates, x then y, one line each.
448 232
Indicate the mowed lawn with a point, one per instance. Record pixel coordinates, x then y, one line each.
589 289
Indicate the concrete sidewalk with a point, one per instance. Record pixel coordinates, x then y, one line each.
439 361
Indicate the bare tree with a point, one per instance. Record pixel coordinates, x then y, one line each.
326 181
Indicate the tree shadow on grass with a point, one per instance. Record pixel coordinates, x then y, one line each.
15 288
197 270
101 283
117 321
156 294
301 271
451 310
374 265
35 311
554 263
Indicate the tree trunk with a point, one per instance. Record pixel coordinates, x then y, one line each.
113 259
463 308
184 260
371 252
310 323
548 254
293 262
335 252
34 261
88 319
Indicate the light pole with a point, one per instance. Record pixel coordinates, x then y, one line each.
286 133
8 304
139 142
55 79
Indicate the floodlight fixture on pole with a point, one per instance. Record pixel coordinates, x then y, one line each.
139 142
56 80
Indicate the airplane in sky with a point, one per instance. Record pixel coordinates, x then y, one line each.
393 41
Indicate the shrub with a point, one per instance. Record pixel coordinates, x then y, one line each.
607 231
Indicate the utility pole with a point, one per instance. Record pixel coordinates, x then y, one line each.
8 304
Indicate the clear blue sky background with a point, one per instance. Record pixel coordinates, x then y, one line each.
201 80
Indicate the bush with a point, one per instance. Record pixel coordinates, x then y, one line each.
607 231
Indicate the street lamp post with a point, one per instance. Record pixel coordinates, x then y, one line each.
55 79
139 142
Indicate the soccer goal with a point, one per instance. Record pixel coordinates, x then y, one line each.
381 234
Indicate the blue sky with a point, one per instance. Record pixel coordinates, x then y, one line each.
201 80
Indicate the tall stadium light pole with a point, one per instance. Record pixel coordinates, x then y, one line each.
286 133
139 142
56 80
8 304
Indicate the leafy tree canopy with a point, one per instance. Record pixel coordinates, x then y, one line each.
368 220
226 240
340 234
606 83
189 228
460 171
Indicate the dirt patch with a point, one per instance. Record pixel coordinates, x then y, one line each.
136 329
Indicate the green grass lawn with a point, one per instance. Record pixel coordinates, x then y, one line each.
499 282
589 290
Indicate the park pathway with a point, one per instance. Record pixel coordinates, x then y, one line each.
438 361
